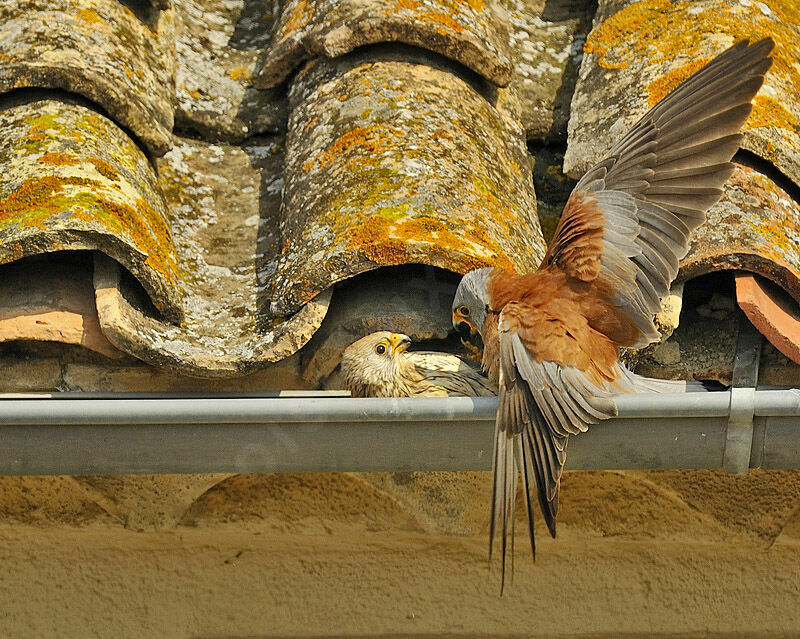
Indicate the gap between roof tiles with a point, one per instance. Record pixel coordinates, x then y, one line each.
768 169
547 37
219 47
147 10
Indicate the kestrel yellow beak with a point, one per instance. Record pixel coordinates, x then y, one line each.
399 342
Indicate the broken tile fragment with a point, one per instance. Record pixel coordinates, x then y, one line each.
99 49
639 51
393 158
772 312
471 32
70 179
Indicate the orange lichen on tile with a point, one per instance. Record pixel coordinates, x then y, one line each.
36 200
663 86
147 229
103 168
299 17
59 159
653 31
89 16
367 143
623 31
372 239
387 242
407 4
240 73
440 18
768 111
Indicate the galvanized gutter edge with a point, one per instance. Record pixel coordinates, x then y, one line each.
334 434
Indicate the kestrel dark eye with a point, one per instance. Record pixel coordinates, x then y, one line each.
380 349
464 310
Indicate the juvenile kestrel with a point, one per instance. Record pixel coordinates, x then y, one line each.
379 365
552 338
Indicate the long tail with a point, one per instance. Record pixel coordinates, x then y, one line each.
504 492
533 450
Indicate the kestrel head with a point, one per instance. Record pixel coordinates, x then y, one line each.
471 302
373 367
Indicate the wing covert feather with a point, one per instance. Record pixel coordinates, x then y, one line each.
640 203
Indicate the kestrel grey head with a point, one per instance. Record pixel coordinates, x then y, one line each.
471 302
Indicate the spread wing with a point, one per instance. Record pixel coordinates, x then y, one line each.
613 257
628 220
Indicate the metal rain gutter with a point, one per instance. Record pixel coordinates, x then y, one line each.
294 434
107 433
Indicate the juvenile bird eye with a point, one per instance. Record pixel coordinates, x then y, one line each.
464 310
380 349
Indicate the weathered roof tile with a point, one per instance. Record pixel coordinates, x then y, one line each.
98 49
471 32
394 159
224 202
639 51
755 227
71 179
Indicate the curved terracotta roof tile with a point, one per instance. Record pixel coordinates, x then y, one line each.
636 55
471 32
182 347
71 179
755 227
98 49
390 160
218 46
771 311
225 203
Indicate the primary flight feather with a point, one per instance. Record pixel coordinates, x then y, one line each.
552 338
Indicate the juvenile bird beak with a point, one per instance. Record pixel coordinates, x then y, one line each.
463 326
399 342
